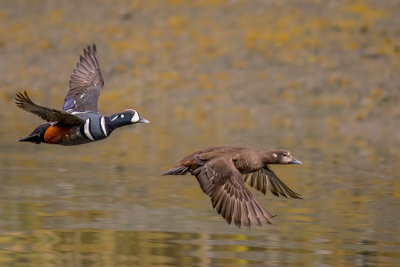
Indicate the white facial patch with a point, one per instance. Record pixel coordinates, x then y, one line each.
135 117
114 118
122 115
274 155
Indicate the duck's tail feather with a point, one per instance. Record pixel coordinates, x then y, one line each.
34 138
179 170
37 136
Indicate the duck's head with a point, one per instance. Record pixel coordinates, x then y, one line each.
280 156
125 117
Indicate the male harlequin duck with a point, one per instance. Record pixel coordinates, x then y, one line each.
222 171
79 122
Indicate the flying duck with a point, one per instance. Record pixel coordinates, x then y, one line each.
222 173
79 122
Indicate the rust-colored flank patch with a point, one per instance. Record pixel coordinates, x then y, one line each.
55 134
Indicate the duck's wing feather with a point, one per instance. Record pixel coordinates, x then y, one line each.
266 179
223 183
85 83
23 101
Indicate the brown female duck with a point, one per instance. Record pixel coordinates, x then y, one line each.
222 171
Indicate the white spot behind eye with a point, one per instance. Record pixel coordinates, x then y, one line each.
274 155
122 115
135 117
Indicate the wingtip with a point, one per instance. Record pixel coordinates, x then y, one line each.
21 98
89 48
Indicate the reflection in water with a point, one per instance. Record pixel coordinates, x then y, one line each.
123 221
142 248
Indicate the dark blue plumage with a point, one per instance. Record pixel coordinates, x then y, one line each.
69 104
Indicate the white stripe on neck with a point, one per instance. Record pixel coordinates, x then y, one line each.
86 129
103 125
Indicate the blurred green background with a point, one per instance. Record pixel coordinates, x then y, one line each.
320 78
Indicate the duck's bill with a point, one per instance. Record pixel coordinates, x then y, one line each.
295 161
142 120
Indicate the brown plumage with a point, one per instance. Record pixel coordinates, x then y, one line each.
23 101
84 90
86 82
222 172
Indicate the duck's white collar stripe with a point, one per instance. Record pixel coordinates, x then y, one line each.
86 129
103 125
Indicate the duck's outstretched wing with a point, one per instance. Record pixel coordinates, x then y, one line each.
223 183
85 83
23 101
266 178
